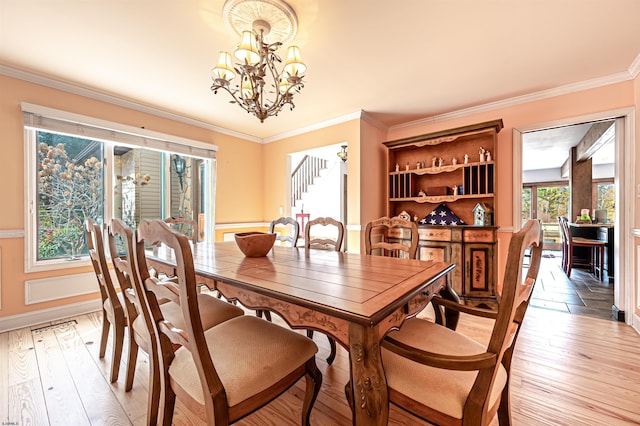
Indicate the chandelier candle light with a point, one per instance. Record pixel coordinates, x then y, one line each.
263 90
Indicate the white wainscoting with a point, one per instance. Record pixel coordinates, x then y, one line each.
46 289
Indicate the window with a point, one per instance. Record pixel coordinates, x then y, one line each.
605 198
546 202
79 167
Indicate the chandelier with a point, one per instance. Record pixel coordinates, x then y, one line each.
261 89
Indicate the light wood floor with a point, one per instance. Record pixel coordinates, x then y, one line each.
568 370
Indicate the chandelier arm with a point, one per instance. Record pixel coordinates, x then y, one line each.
253 81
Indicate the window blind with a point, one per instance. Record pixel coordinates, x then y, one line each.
58 121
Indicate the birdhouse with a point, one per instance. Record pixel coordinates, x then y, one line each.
482 215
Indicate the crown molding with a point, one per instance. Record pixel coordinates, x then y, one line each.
634 68
631 73
531 97
114 100
328 123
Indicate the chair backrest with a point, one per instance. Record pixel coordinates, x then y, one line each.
121 236
95 244
156 232
564 229
383 236
513 302
324 242
185 226
289 230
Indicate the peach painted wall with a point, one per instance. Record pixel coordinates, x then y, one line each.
604 98
373 179
636 181
275 176
237 196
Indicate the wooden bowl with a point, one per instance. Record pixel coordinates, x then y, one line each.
255 244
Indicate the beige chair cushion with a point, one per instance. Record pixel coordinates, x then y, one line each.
249 354
443 390
213 311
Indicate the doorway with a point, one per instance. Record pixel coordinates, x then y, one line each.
326 192
623 183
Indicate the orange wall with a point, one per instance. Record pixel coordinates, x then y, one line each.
605 98
238 196
636 180
274 163
252 178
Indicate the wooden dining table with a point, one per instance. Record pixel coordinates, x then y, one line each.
354 298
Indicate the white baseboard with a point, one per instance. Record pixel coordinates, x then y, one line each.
46 315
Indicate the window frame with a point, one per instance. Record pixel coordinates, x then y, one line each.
125 135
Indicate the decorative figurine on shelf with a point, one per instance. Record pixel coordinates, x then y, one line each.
418 165
433 161
440 162
407 168
397 167
488 156
482 215
466 159
454 161
405 216
421 193
481 154
455 189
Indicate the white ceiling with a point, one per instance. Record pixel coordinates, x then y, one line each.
399 61
549 149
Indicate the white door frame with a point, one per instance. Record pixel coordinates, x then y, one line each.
624 180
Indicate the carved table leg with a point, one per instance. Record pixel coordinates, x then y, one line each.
368 383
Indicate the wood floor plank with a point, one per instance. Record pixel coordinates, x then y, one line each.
567 370
4 376
26 400
64 405
133 403
98 398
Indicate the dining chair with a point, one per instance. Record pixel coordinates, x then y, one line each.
113 305
213 311
186 226
385 237
228 371
324 243
446 378
595 259
288 230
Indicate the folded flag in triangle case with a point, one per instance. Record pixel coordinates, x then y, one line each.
441 215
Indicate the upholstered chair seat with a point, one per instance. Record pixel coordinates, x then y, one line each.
250 356
213 311
443 390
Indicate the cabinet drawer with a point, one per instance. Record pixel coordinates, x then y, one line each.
434 234
401 234
481 235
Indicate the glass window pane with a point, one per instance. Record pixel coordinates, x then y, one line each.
526 205
606 199
553 201
70 190
154 185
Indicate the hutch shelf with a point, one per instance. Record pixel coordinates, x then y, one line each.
456 167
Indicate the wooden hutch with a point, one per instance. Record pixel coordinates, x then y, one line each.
455 167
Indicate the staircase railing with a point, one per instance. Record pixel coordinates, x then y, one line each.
303 175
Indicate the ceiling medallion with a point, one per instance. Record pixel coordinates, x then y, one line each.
264 25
